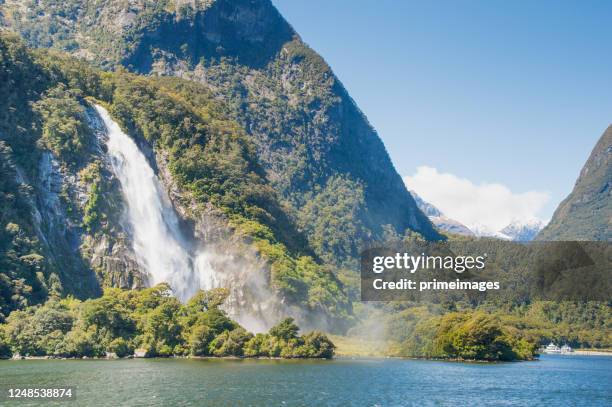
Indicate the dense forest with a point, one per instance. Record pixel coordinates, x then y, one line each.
493 331
153 321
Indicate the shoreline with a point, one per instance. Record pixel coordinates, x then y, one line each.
344 356
161 357
591 353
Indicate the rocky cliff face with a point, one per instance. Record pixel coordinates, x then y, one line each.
107 251
586 214
86 259
317 148
45 248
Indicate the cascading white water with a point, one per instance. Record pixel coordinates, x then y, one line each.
157 240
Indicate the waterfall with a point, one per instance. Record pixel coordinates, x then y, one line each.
166 255
158 244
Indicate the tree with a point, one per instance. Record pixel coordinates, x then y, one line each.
162 331
108 315
230 343
208 299
318 345
199 341
286 329
5 349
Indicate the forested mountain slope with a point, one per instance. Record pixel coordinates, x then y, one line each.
586 214
318 150
62 224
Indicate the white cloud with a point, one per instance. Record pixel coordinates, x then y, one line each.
488 206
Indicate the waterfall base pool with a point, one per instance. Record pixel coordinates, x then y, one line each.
552 381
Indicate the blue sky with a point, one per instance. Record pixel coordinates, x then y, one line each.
507 92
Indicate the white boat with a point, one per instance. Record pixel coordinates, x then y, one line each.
566 349
552 348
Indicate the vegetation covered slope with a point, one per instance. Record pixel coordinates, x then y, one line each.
586 214
30 268
317 148
44 118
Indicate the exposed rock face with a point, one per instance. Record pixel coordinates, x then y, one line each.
586 214
311 138
108 252
85 260
60 234
114 262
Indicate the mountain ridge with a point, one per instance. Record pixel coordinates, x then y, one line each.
517 230
586 213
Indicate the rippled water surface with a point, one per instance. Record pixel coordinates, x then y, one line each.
552 381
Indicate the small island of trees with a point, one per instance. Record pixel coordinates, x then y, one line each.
153 322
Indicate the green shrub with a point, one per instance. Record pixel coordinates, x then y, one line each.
120 347
64 124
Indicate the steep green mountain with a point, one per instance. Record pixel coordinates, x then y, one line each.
62 228
586 214
318 150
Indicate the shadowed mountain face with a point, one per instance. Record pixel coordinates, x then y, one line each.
586 214
318 150
250 33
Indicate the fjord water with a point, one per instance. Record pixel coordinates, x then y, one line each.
551 381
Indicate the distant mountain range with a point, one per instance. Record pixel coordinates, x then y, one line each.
523 231
586 213
517 230
441 221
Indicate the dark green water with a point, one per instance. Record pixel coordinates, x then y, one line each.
552 381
